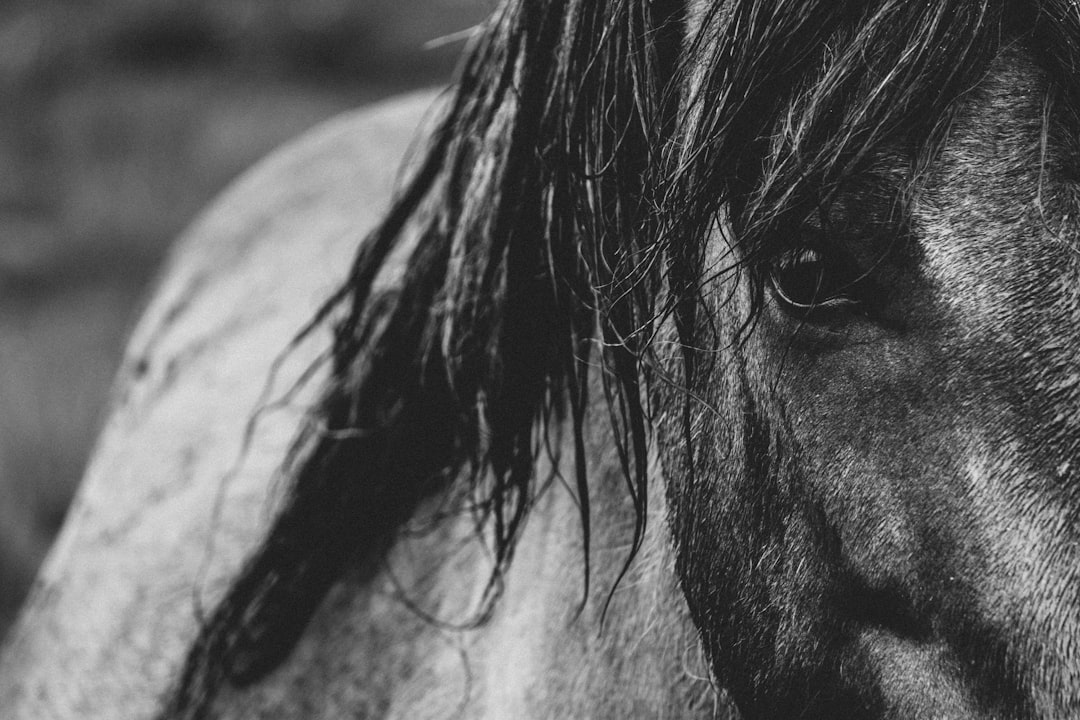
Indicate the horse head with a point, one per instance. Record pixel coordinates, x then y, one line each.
872 467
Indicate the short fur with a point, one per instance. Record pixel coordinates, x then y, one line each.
557 220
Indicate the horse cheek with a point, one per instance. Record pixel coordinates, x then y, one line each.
750 547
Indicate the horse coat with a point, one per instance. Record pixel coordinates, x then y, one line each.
717 357
174 500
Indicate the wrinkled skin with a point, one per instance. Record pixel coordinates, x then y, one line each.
881 516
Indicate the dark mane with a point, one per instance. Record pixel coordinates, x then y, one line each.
557 218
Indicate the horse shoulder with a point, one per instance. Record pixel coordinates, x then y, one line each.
404 642
178 491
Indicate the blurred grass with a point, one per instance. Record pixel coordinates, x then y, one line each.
118 121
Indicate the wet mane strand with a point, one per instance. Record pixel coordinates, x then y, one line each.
804 96
557 218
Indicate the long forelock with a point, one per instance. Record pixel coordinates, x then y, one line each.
798 100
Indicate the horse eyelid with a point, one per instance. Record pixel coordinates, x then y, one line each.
824 295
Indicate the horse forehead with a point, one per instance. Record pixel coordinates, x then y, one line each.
998 127
996 201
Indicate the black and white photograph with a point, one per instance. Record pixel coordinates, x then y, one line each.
548 359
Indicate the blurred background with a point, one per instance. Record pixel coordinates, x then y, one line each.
119 120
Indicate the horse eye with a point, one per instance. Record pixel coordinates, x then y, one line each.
806 280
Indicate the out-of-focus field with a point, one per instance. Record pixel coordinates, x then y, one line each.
119 120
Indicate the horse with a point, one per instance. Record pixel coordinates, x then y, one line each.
714 358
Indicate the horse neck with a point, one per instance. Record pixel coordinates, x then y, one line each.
400 644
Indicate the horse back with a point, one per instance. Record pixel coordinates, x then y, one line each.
191 469
177 493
